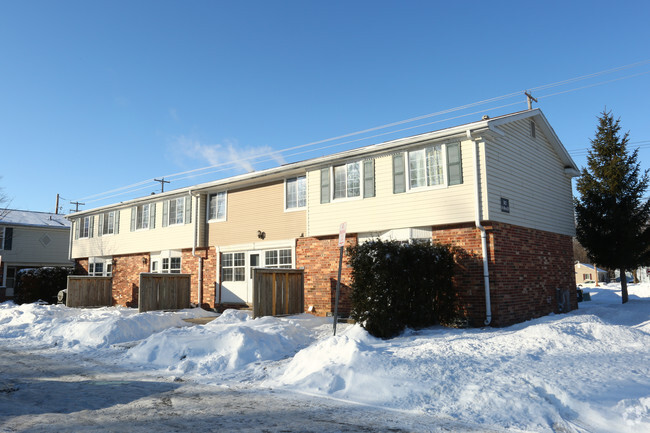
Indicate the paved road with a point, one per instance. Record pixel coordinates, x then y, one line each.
43 390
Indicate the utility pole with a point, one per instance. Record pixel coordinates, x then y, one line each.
530 100
56 209
77 204
162 183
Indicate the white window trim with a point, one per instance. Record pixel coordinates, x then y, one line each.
165 254
105 261
105 216
169 211
233 267
81 227
137 210
279 266
445 181
361 182
297 208
207 210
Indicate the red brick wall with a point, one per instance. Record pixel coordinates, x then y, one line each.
320 259
190 265
526 267
126 278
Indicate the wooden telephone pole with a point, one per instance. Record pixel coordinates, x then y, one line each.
162 183
530 100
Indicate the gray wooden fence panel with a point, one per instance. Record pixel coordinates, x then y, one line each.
85 291
278 292
164 292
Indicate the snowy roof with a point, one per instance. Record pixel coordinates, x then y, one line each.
16 217
586 265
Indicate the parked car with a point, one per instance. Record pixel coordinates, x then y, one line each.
587 283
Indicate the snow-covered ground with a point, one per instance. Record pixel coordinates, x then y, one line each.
586 371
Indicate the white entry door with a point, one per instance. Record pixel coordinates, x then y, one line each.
254 261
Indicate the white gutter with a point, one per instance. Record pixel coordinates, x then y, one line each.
70 241
477 223
199 291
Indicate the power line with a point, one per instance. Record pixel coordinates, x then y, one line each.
269 155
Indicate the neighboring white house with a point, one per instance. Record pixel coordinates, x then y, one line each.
31 240
586 272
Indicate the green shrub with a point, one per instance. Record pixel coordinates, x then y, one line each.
40 284
397 285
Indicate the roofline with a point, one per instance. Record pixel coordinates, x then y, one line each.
489 125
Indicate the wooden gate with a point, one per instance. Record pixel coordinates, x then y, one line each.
278 292
163 292
85 291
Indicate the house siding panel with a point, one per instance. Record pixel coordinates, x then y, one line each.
388 210
252 209
31 246
528 172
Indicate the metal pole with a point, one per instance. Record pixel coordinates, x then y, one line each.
338 290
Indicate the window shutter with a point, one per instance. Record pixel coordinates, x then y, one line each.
116 229
369 178
91 226
165 213
77 224
9 238
101 225
152 216
454 164
134 211
399 177
325 185
188 209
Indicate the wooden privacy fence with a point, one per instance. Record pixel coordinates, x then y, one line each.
84 291
163 292
278 292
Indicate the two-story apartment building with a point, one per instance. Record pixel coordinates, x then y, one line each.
31 240
499 189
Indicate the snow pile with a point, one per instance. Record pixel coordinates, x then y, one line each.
85 329
586 371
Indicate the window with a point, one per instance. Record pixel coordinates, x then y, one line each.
217 207
177 211
109 223
85 227
277 258
233 267
100 267
425 167
296 192
143 217
2 239
532 129
171 265
347 180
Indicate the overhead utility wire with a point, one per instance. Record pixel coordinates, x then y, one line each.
282 151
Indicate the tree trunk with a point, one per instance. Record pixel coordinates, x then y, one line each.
623 285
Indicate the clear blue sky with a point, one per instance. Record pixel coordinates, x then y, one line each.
98 95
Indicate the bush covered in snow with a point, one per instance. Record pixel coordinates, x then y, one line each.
398 285
41 284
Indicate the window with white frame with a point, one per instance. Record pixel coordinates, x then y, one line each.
176 211
278 258
171 265
233 267
85 227
347 180
108 222
100 267
296 192
217 206
142 216
426 167
2 241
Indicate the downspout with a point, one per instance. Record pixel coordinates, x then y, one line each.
477 223
199 291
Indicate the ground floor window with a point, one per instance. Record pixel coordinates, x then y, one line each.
233 266
278 258
100 267
171 265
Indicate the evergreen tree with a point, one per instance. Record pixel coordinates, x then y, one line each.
612 216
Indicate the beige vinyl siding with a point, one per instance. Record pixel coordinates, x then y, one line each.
257 208
128 242
528 172
30 245
386 210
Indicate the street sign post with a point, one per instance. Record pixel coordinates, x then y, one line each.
342 229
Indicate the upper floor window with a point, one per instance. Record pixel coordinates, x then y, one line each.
217 206
109 223
143 217
350 180
296 192
435 165
84 227
6 238
177 211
